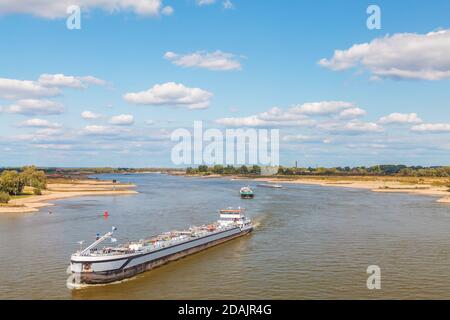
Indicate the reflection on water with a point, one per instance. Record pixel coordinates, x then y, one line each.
310 242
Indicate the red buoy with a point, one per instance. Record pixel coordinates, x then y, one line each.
106 214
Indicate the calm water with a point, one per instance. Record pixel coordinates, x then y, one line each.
311 242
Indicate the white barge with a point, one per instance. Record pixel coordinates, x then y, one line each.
91 266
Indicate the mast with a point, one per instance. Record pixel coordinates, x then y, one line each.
100 240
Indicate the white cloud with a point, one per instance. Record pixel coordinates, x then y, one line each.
217 60
171 93
322 108
205 2
57 9
251 121
296 115
122 120
39 123
432 128
61 80
400 118
167 11
270 118
43 135
48 85
34 107
351 127
301 138
352 113
89 115
101 130
227 5
400 56
17 89
53 146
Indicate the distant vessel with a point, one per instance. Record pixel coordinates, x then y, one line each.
276 186
91 265
246 193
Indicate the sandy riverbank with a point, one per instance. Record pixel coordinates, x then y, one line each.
66 189
427 186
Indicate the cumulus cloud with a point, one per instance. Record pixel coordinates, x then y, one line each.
400 56
350 128
399 118
61 80
44 135
352 113
89 115
299 115
216 61
39 123
227 5
302 138
270 118
58 9
167 11
122 120
171 93
34 107
47 85
322 108
17 89
53 146
205 2
432 128
95 130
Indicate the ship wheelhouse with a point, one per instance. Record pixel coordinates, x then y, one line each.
233 217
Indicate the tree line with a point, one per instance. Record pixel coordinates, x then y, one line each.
13 182
378 170
224 170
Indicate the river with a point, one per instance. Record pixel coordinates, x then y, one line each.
311 242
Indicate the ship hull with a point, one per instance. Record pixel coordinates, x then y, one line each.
104 272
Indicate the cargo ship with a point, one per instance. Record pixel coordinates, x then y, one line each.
94 265
268 185
246 193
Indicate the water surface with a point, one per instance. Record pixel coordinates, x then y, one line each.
311 242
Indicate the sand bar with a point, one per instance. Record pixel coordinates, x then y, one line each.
66 189
389 185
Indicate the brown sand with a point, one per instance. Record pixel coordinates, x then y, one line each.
376 185
64 190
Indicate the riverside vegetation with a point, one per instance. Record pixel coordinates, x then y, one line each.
28 181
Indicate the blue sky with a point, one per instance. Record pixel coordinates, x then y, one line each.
258 64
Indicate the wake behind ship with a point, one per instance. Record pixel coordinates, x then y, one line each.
100 266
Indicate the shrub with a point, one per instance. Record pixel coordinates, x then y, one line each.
4 197
37 191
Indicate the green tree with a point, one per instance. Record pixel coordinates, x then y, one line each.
243 170
217 169
11 182
34 178
4 197
255 169
229 170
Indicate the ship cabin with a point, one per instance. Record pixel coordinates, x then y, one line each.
232 216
